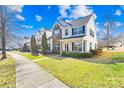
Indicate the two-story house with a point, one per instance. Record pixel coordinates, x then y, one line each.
75 36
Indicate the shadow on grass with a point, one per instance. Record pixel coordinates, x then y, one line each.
96 59
99 59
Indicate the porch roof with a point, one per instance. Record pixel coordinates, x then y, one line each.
72 39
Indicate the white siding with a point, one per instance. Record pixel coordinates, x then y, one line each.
69 31
87 39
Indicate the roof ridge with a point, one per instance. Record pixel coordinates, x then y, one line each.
64 21
81 18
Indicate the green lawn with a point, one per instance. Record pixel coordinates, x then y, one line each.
80 73
77 73
29 55
7 73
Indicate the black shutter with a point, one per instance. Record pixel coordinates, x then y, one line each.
72 31
72 46
84 46
83 29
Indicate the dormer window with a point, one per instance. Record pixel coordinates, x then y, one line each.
66 32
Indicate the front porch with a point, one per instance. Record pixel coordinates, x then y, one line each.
74 45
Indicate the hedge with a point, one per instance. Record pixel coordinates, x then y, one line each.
77 55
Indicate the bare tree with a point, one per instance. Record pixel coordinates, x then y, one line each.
109 26
7 25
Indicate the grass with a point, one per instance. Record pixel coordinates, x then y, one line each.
29 55
87 74
107 58
77 73
117 56
7 73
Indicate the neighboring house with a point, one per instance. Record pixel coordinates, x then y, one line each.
26 41
38 37
118 42
75 36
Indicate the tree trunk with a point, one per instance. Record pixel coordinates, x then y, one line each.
107 36
3 41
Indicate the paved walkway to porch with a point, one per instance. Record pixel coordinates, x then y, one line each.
30 75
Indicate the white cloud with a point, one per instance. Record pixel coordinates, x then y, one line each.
38 18
68 20
106 23
117 24
74 12
63 10
19 17
118 12
97 23
26 26
80 11
49 7
16 8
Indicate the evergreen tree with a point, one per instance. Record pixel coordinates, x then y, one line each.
34 48
44 44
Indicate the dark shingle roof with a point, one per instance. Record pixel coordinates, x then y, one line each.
77 22
63 23
81 21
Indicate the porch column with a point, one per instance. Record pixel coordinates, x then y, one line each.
87 46
70 46
61 47
83 46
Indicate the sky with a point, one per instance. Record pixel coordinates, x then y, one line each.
32 18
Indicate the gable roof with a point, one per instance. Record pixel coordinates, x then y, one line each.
63 23
77 22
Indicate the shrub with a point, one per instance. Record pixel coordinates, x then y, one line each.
77 55
96 52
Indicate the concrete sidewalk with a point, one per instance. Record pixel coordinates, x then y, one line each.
30 75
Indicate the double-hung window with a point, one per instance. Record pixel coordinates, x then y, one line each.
78 30
76 46
66 32
56 47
